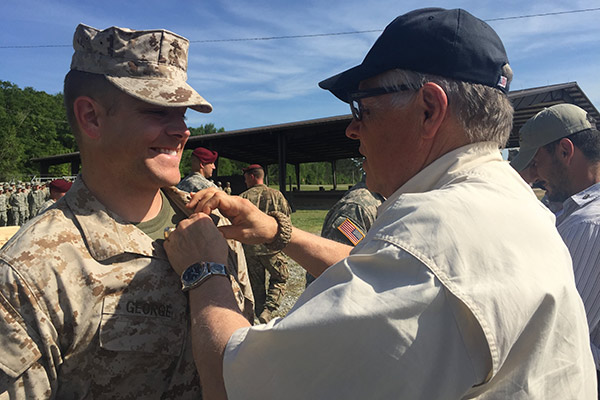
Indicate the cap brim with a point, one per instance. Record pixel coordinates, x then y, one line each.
162 92
344 83
523 158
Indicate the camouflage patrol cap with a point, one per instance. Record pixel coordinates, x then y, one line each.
149 65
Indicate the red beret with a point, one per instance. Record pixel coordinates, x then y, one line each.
205 156
60 185
251 167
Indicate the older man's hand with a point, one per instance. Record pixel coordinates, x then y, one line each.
249 224
195 239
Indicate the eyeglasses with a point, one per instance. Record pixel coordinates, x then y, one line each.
356 106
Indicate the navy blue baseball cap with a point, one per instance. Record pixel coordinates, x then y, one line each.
450 43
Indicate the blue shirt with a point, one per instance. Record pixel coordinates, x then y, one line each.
579 225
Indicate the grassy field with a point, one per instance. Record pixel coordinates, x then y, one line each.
309 220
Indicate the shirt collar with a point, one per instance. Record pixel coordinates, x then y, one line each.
105 233
446 168
578 201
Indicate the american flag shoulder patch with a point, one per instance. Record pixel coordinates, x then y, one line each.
351 231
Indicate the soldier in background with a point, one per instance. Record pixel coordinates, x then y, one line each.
35 198
203 165
351 217
18 206
27 190
227 188
259 257
3 207
8 191
58 188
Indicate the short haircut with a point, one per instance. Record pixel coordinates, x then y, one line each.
258 173
95 86
587 141
485 113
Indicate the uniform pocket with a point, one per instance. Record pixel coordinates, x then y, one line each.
142 325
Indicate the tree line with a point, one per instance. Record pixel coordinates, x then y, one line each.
33 124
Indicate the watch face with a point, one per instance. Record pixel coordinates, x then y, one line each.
197 273
192 274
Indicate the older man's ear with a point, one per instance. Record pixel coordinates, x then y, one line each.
434 103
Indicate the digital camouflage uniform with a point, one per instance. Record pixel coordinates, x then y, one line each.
195 182
18 207
35 198
351 217
45 205
3 209
260 259
90 308
26 191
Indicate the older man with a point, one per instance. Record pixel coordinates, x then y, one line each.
560 149
90 307
203 165
447 296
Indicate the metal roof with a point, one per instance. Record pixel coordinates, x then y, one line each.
529 102
324 139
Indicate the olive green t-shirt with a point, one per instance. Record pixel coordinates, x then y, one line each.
168 217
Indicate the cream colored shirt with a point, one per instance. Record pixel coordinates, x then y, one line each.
461 289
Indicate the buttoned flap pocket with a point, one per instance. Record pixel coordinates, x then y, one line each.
142 325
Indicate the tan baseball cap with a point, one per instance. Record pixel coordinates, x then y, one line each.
149 65
545 127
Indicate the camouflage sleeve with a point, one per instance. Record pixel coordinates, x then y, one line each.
239 270
286 209
25 334
335 223
280 202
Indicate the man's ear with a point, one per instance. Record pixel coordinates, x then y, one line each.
87 112
435 106
565 151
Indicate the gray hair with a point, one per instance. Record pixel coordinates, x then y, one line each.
485 113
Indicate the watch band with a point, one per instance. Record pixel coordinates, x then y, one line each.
284 231
199 272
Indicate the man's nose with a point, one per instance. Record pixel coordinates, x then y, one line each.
352 129
178 127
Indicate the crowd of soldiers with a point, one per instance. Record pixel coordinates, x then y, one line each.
21 201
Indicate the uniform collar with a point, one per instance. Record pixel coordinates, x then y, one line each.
105 233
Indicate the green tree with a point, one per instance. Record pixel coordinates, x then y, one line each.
32 124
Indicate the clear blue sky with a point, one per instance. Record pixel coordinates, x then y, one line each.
263 82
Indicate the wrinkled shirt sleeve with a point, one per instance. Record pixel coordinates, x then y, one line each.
370 327
29 351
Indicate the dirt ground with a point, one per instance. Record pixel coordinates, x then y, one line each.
294 288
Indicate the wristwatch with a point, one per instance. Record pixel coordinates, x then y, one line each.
197 273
